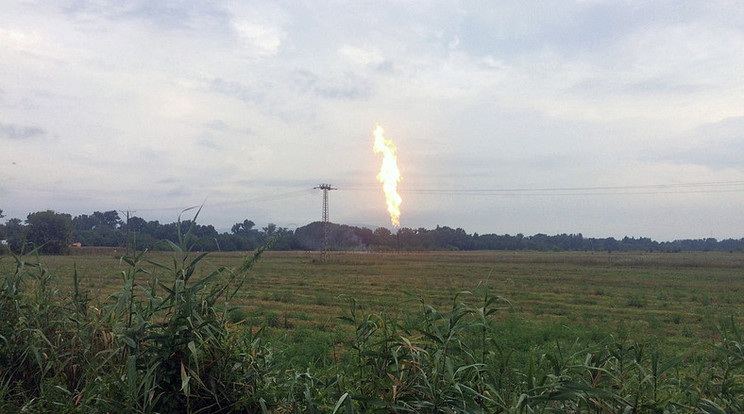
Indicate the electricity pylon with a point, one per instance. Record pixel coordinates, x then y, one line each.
324 241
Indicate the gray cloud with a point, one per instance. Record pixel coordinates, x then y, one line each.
347 86
216 132
277 183
716 146
647 87
238 91
207 140
217 125
20 132
163 14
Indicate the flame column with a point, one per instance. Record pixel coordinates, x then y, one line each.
324 241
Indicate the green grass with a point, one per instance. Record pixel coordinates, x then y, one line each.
374 332
674 300
652 292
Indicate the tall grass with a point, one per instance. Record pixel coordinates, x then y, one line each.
165 342
160 344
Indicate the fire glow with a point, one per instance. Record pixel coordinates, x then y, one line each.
389 174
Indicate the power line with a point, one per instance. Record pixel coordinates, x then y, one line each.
650 189
271 197
242 201
647 189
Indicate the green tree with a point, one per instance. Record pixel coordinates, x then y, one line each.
409 239
285 240
270 229
99 229
14 230
245 237
52 231
3 235
2 227
246 227
108 218
384 238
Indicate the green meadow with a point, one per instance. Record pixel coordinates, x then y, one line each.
677 299
512 331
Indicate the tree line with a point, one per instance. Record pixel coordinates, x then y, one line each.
57 233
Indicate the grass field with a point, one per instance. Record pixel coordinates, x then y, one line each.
428 332
674 299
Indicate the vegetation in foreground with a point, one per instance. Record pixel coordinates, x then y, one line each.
171 342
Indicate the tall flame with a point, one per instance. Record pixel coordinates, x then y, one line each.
389 174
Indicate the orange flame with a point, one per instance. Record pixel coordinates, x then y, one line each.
389 174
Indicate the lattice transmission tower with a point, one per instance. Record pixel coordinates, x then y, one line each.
324 240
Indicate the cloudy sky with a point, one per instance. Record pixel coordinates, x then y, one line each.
608 118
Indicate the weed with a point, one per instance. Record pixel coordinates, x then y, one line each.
636 301
237 315
323 298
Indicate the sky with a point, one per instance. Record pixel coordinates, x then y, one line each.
606 118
